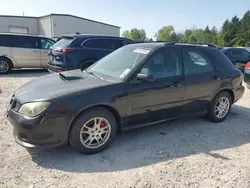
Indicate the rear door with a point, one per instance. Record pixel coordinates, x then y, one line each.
201 80
25 49
44 45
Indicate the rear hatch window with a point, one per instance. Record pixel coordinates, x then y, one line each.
63 43
56 53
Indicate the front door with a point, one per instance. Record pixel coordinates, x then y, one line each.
151 101
202 82
45 45
25 49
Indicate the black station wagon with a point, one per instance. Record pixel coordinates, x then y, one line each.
136 85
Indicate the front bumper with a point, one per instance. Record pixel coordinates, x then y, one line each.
42 131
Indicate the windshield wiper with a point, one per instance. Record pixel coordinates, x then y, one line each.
91 73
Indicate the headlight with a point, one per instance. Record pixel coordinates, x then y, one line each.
33 108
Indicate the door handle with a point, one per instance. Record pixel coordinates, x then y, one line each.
216 78
176 84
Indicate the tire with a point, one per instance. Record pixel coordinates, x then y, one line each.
5 65
86 64
80 141
213 114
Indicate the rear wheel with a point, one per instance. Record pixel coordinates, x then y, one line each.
5 65
93 131
220 107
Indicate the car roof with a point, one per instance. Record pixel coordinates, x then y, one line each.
231 48
24 34
94 36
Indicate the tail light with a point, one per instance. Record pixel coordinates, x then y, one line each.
68 50
247 68
64 50
247 65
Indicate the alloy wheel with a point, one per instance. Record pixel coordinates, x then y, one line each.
222 107
4 66
95 132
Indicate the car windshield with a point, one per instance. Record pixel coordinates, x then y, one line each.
118 64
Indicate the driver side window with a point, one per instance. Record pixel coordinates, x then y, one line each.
163 63
46 43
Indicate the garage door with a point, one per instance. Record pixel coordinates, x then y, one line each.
14 29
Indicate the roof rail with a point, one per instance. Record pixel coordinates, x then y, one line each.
194 43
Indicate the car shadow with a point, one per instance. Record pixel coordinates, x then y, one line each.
155 144
25 73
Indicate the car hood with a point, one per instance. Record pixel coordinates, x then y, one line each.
52 85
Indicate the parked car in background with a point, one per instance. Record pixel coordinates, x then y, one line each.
247 75
79 51
23 51
238 56
136 85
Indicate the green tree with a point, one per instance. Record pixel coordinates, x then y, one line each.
165 33
150 40
191 38
243 35
137 35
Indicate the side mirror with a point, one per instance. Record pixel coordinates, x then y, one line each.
146 77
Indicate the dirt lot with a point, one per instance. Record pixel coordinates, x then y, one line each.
184 153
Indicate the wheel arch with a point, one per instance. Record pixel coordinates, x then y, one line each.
8 58
87 61
111 109
230 91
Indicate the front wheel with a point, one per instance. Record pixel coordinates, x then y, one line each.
220 107
93 131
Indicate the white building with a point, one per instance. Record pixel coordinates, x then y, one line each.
55 25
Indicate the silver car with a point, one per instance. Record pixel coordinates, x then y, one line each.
23 51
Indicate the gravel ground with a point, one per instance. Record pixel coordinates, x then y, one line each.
191 152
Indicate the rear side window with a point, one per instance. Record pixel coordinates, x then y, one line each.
196 62
63 43
5 40
108 44
223 61
25 42
240 53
